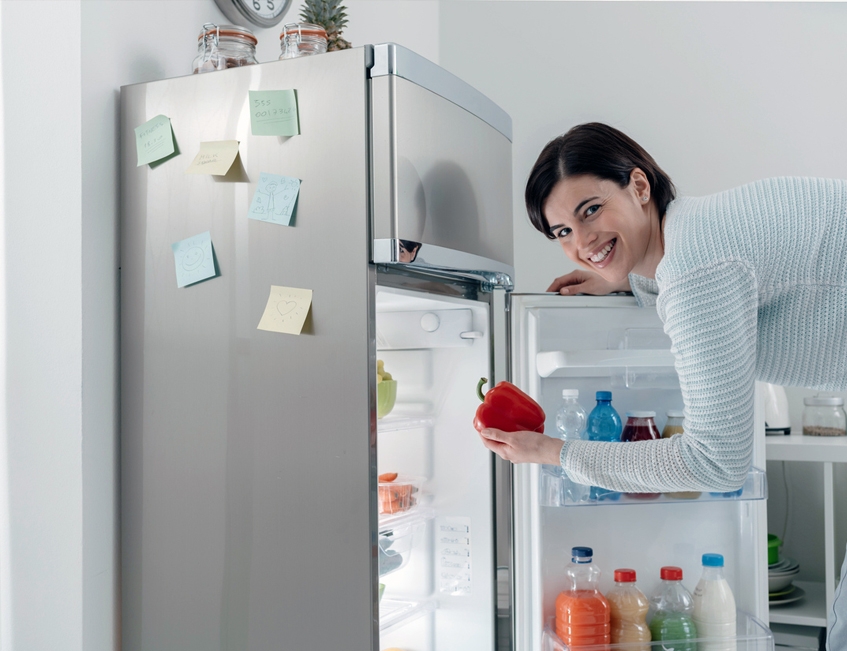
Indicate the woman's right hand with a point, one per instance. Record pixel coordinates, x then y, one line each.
586 282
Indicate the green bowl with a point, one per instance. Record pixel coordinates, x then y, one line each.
774 543
386 394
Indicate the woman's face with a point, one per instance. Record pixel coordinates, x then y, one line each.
601 226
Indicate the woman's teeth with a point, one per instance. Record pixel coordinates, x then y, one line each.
601 255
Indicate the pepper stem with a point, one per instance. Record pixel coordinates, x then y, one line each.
479 388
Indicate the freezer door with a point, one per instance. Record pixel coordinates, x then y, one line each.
247 466
610 344
441 170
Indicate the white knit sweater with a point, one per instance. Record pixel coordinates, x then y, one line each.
752 286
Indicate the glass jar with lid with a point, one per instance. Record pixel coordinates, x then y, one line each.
824 416
224 46
640 426
301 39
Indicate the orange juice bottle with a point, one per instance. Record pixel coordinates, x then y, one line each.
629 611
582 613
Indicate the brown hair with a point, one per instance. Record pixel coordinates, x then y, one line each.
598 150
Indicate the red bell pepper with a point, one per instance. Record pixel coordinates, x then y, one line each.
507 408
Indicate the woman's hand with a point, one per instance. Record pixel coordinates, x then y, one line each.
586 282
522 447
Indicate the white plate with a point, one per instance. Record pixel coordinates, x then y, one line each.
784 564
795 595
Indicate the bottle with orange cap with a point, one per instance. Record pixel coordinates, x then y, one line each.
629 608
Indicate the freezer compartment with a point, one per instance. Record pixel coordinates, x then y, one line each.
556 489
751 635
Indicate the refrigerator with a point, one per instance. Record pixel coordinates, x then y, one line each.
258 504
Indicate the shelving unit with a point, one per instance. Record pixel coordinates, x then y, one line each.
812 610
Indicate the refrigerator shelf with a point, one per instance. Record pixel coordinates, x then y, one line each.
751 635
394 613
398 422
555 489
555 363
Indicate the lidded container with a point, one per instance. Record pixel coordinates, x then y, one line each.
224 46
824 416
640 426
674 424
301 39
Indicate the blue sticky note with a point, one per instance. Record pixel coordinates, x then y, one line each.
274 199
194 259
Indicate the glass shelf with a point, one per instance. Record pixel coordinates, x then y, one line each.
751 635
555 489
398 422
394 613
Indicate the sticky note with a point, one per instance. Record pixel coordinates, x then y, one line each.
214 158
286 310
154 140
274 113
194 259
274 199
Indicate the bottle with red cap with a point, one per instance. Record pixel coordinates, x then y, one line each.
672 609
629 611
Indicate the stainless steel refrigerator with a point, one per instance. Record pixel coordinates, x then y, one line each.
252 515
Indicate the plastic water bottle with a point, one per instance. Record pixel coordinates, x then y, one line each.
604 424
714 607
629 609
672 609
582 612
570 423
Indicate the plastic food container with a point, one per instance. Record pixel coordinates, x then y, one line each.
396 544
774 544
399 495
824 416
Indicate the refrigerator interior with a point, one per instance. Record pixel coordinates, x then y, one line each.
442 596
640 534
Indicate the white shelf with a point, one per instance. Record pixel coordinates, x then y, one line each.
809 611
797 447
394 613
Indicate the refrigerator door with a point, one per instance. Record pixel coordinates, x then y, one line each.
441 171
247 465
553 341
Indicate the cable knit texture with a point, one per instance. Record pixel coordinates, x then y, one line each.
752 286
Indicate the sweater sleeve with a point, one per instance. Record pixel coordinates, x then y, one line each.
711 317
645 290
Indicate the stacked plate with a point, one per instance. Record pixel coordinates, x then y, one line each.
780 589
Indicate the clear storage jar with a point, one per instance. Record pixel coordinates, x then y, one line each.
301 39
824 416
224 46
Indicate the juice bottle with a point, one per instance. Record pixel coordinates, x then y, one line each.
672 608
672 427
629 608
582 613
640 426
603 424
714 607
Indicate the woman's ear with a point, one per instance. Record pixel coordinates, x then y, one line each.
639 184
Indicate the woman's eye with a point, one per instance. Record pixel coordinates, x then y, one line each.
591 210
563 233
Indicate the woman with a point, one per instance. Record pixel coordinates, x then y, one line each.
751 284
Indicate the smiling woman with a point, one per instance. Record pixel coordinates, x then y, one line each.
751 284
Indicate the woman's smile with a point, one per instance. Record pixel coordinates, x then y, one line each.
603 255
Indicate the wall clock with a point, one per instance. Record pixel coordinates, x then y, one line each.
264 13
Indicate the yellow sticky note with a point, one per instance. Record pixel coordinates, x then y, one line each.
286 310
214 158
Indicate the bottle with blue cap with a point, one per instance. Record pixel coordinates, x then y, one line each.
604 424
583 615
714 607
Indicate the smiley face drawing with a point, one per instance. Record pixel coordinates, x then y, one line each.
193 258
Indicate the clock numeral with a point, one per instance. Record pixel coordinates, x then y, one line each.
257 5
270 5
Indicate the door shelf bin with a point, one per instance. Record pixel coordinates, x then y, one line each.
555 489
394 613
397 538
751 635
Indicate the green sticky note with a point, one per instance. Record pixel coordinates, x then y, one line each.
154 140
274 113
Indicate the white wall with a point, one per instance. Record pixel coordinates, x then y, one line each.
58 536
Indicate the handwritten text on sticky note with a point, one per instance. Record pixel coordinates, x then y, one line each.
274 199
286 310
274 113
194 259
154 140
214 158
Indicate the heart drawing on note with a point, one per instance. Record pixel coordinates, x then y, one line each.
286 307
